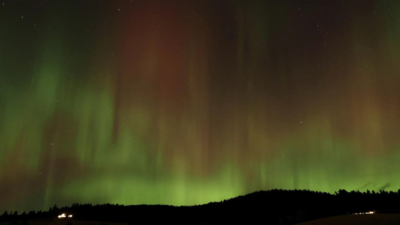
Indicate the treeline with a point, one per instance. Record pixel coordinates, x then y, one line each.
275 207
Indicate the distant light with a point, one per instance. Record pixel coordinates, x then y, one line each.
70 216
364 213
61 216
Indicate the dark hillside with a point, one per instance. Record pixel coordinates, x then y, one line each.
274 207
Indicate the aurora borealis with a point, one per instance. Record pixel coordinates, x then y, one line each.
187 102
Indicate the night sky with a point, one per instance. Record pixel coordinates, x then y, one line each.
192 101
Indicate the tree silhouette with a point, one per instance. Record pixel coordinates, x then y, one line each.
31 214
54 208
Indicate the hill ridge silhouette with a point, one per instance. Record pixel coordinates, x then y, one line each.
275 206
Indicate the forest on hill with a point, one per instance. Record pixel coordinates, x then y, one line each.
274 206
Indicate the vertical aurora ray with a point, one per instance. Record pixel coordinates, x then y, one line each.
135 102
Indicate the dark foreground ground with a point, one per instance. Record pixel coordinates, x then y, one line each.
64 222
377 219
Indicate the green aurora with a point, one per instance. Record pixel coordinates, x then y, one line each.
188 102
